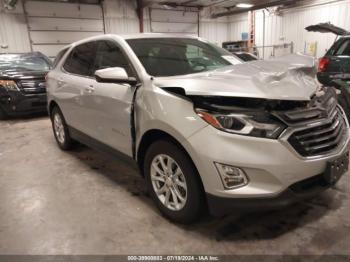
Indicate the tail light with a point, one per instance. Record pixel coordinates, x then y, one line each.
323 64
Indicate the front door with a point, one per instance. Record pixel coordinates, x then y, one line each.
110 103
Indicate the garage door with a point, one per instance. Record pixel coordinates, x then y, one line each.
52 25
174 21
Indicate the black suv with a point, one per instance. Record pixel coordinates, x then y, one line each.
22 83
335 65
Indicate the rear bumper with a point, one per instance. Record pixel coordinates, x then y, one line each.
16 103
302 190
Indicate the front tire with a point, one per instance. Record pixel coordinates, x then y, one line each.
173 182
60 129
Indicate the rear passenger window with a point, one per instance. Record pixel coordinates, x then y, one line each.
81 59
110 55
344 49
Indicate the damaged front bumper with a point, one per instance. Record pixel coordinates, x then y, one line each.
280 171
274 170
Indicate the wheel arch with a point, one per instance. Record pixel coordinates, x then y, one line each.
52 104
151 136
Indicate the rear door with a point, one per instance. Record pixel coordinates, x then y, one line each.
75 84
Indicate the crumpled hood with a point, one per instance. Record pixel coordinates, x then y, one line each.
289 78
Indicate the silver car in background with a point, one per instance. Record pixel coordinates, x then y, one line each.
205 129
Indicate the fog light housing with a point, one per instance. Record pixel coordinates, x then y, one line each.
232 177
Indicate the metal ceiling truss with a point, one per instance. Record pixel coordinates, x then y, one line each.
229 6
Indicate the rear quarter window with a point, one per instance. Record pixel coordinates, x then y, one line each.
335 48
59 57
344 48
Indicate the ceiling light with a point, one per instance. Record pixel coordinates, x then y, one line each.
244 5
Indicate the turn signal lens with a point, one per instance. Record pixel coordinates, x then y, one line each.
232 177
9 85
323 64
210 119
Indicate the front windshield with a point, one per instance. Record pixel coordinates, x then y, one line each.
22 62
179 56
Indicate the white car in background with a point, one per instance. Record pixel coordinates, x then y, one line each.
203 132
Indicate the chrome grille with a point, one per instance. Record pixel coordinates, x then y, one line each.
33 86
317 108
319 128
321 138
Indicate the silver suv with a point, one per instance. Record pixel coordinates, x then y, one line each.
202 131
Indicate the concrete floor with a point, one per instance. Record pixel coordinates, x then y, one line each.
83 202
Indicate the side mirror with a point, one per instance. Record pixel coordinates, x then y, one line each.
114 75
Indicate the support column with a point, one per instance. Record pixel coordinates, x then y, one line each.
140 7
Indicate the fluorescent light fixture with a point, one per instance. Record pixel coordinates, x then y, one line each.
244 5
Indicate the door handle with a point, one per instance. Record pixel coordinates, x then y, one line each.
90 89
60 83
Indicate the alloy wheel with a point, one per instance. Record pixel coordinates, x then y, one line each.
168 182
59 128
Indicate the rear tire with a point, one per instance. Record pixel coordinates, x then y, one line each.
60 129
173 182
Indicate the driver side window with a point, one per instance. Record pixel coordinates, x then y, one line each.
110 55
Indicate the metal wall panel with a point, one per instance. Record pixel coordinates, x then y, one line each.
58 9
120 17
273 32
14 33
52 37
214 30
49 50
164 15
238 24
65 24
165 27
289 26
174 21
295 20
121 26
53 24
13 30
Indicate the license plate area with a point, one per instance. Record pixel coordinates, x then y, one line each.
336 168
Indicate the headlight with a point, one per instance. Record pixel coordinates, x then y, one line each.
9 85
250 124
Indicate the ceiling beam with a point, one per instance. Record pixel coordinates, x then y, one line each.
188 2
217 3
236 11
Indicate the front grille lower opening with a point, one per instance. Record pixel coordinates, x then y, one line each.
309 184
